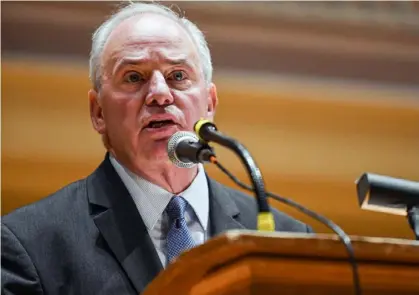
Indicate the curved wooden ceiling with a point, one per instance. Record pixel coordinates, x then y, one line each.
268 37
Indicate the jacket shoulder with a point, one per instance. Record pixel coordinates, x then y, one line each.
53 210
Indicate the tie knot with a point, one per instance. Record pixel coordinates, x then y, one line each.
176 208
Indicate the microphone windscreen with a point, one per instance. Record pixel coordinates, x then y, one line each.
173 144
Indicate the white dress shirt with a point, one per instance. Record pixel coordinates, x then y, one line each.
152 200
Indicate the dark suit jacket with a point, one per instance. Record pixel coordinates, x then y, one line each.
88 238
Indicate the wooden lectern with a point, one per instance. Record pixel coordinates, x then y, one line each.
249 262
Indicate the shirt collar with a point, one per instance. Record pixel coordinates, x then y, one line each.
151 200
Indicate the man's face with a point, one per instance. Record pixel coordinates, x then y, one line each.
152 87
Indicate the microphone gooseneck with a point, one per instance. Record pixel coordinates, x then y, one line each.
207 132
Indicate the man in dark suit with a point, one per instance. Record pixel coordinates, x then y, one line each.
114 231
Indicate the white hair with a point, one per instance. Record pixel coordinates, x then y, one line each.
102 33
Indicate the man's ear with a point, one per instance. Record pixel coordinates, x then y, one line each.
212 101
96 112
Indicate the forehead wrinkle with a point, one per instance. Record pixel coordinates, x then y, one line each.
135 61
165 56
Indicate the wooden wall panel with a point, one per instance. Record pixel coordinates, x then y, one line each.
311 142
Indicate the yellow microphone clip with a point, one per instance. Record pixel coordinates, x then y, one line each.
198 125
266 221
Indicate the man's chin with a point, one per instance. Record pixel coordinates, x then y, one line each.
158 151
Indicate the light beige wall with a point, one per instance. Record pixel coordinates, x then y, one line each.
311 140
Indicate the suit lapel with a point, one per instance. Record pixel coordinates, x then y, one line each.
224 213
118 220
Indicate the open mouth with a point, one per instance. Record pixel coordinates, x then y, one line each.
160 124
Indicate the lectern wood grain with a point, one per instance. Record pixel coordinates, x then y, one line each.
246 262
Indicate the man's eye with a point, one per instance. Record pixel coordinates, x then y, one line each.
133 77
178 76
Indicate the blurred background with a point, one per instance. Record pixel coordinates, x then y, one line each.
319 92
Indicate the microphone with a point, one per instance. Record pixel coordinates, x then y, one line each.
185 150
387 194
390 195
207 132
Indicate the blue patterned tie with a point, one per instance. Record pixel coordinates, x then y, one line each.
179 238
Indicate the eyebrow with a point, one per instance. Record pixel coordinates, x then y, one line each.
135 61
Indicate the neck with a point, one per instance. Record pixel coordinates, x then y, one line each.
166 175
170 177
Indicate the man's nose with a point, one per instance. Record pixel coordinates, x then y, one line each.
159 92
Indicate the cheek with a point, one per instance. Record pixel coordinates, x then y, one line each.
193 102
121 112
